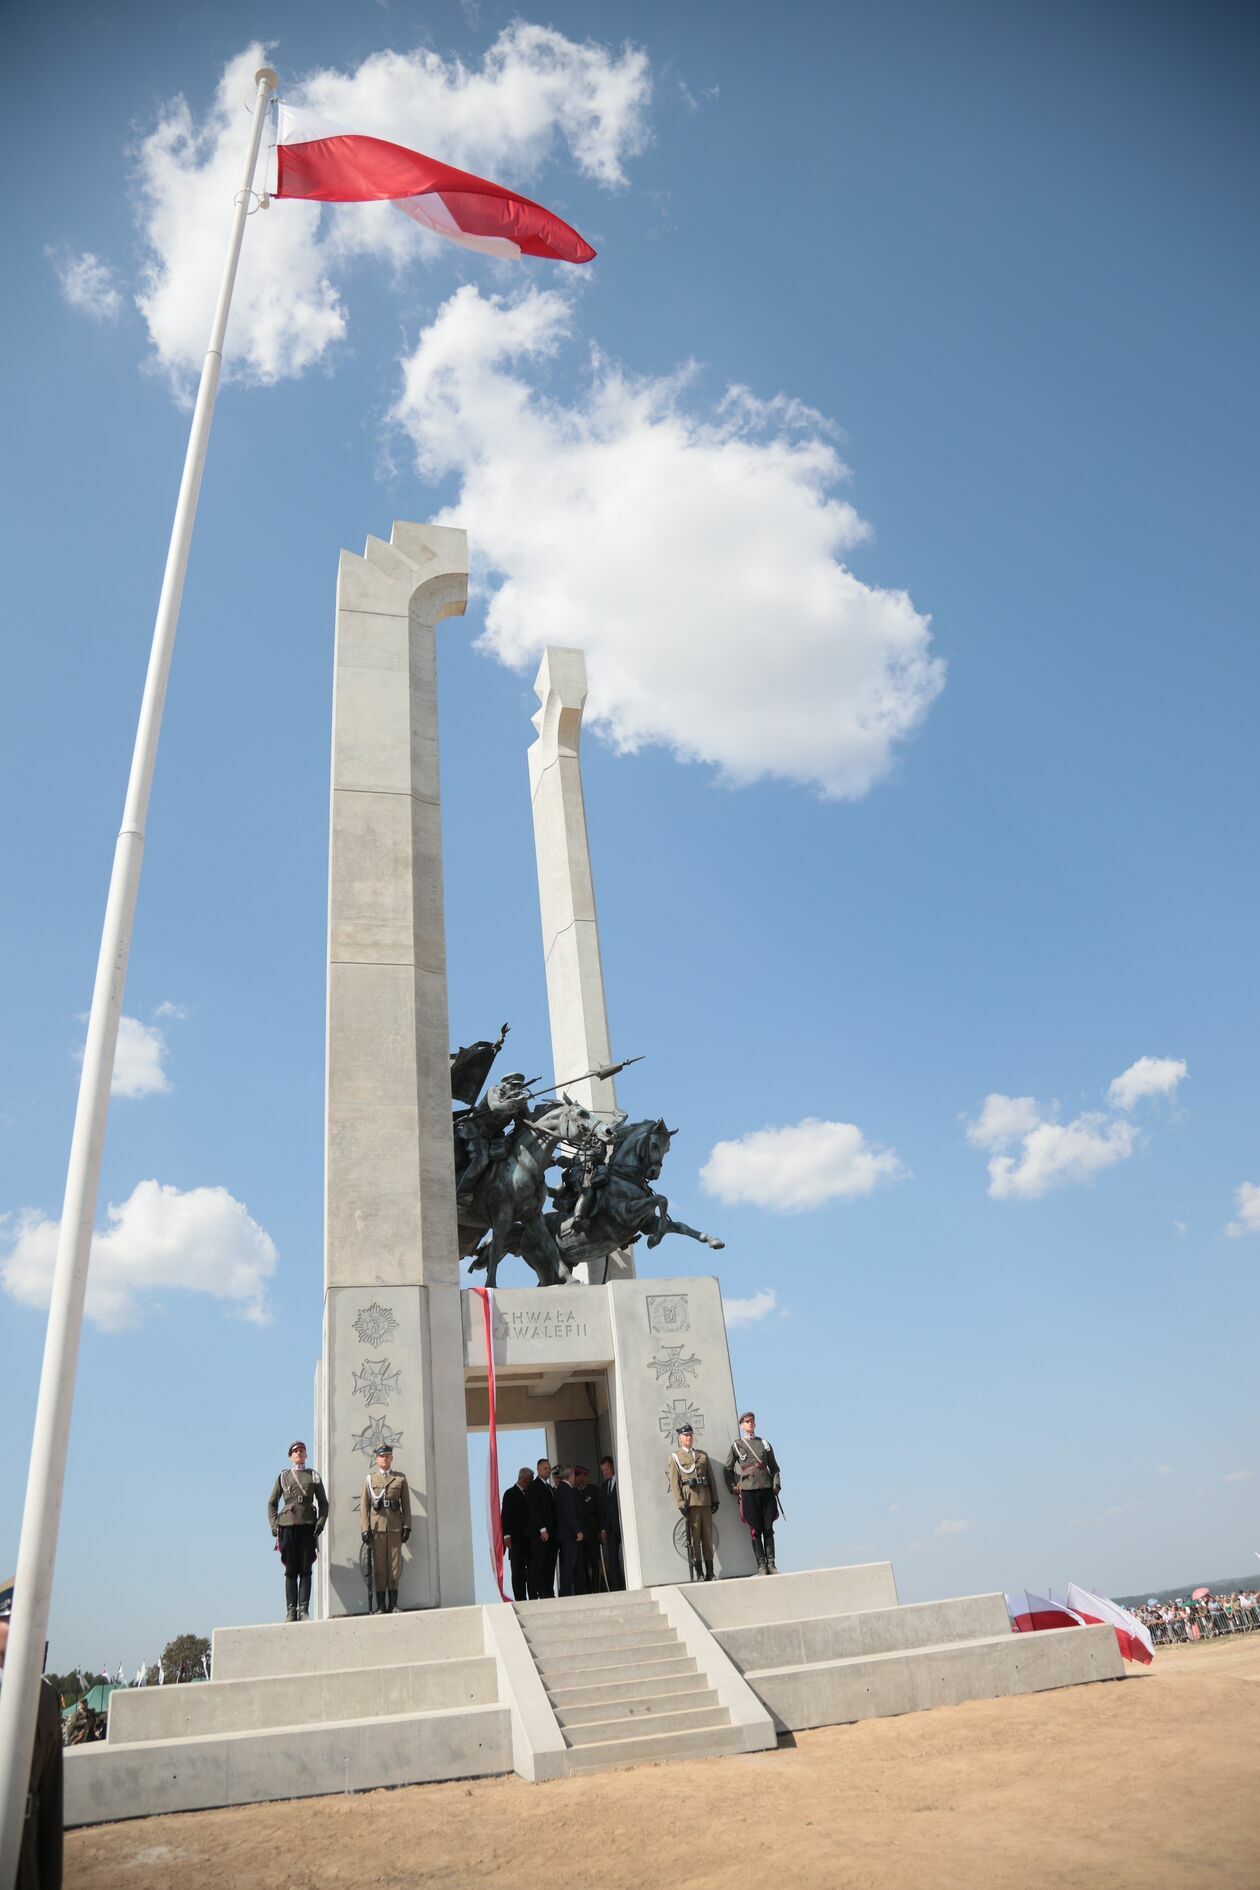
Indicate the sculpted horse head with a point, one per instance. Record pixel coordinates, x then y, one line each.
641 1149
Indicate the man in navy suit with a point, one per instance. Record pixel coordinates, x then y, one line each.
572 1535
610 1523
514 1518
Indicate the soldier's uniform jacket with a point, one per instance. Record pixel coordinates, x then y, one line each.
385 1505
751 1464
691 1480
303 1495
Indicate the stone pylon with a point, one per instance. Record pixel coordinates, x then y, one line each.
392 1363
566 894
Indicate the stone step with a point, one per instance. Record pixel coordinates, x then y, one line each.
663 1646
592 1629
104 1783
613 1731
794 1642
689 1681
227 1706
597 1647
908 1680
599 1712
703 1742
352 1640
576 1606
589 1680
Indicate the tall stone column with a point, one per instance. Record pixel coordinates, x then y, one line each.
393 1346
566 894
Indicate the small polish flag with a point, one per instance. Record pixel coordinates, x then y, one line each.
1135 1641
1031 1613
328 164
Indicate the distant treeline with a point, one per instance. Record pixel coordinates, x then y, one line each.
1227 1585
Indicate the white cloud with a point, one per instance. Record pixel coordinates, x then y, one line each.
167 1009
200 1240
1182 1227
746 1312
1052 1154
1247 1201
800 1167
139 1060
1149 1076
692 548
536 92
88 284
949 1527
1004 1119
1239 1476
1164 1470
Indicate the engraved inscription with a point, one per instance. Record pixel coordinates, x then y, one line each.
676 1370
546 1322
377 1432
679 1411
374 1382
668 1314
375 1325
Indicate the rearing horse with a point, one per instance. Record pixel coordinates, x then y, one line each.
626 1204
506 1212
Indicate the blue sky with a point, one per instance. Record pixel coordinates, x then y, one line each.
924 669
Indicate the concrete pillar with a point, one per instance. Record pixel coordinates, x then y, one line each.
566 894
393 1347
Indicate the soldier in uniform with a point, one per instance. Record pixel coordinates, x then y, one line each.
752 1474
385 1514
39 1856
692 1487
297 1511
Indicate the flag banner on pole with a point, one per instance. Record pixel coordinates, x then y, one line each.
1135 1641
1032 1614
325 163
494 1515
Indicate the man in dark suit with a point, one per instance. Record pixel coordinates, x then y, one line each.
588 1503
541 1503
514 1517
39 1856
571 1534
610 1523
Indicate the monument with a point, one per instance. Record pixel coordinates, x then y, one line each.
603 1361
602 1358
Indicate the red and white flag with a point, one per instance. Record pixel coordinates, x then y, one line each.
328 164
1030 1613
1135 1641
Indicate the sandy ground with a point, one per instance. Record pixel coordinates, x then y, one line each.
1149 1782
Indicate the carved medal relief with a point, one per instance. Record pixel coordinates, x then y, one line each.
676 1370
375 1325
668 1314
374 1382
680 1411
378 1432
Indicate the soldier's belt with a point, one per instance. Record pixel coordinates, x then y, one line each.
386 1502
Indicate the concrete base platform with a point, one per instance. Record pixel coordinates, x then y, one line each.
548 1689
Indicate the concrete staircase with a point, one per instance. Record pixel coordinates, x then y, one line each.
626 1687
830 1646
299 1711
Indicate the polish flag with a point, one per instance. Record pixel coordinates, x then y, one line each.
1030 1613
1135 1641
326 163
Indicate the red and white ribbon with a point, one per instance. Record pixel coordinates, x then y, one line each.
494 1518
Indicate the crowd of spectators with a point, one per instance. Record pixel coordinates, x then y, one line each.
1201 1619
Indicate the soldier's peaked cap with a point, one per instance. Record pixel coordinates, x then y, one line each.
383 1450
297 1444
6 1599
685 1430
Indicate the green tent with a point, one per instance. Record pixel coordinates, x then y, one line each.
97 1698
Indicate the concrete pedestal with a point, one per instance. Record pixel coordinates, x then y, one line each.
622 1365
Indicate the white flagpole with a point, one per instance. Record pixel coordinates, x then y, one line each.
37 1549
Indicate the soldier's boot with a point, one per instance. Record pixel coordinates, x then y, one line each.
304 1598
393 1602
708 1571
760 1554
771 1567
290 1596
